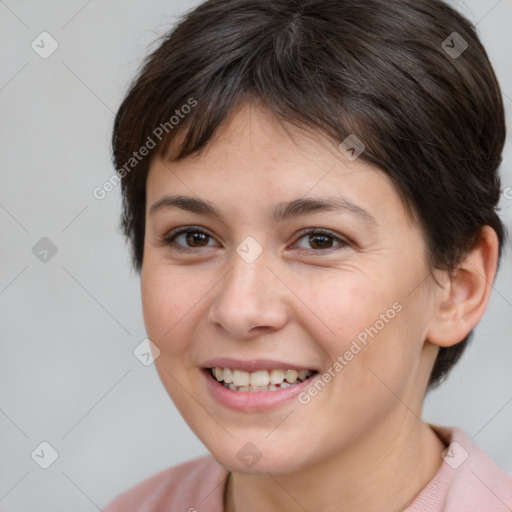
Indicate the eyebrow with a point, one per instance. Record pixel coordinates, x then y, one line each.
282 211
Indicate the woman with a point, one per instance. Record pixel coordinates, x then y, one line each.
310 189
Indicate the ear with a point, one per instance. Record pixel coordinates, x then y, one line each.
465 295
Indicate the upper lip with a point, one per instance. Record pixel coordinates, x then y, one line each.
253 365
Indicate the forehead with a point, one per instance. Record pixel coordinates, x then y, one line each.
254 159
253 128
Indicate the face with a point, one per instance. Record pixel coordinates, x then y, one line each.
342 292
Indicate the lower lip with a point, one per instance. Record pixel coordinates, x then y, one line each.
247 401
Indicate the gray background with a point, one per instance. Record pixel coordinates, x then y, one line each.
68 326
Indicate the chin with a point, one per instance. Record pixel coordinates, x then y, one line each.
250 460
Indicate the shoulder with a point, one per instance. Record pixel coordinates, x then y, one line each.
468 480
193 484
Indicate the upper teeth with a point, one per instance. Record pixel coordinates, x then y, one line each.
260 377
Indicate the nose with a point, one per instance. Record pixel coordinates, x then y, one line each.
250 300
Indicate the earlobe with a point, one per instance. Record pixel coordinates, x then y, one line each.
463 301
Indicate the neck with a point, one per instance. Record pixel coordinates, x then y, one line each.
384 470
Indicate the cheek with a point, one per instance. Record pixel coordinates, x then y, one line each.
164 305
168 319
342 307
367 328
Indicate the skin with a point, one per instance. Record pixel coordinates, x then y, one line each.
360 443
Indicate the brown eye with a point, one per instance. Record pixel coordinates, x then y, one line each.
195 238
322 240
190 238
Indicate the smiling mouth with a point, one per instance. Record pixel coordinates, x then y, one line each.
261 380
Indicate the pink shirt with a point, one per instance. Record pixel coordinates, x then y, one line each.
468 481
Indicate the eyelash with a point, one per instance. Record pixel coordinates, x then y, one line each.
169 238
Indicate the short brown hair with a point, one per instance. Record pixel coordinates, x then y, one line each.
431 119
